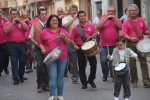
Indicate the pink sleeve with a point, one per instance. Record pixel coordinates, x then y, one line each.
40 39
5 25
145 28
124 28
103 18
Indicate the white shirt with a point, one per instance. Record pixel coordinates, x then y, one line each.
122 54
96 20
65 20
32 29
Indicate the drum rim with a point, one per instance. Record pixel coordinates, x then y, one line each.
87 41
137 46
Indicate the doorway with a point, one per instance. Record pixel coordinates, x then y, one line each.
138 3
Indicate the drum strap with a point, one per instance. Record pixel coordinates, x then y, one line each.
59 38
134 28
82 34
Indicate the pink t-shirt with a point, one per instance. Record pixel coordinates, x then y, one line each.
140 25
3 36
37 19
109 32
88 29
16 33
28 32
45 39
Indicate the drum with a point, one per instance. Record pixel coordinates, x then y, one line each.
143 47
90 48
52 56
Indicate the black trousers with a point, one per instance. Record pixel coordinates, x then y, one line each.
125 81
4 56
42 75
82 67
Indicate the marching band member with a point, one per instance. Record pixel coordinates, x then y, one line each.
68 23
57 68
3 45
109 27
76 41
36 29
133 38
29 44
15 29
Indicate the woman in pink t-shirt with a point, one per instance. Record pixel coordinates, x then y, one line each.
47 42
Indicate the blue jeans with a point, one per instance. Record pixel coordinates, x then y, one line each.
56 76
105 63
17 54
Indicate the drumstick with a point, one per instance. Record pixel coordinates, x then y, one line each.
89 38
130 56
108 50
53 39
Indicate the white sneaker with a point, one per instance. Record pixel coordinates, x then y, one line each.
51 98
116 98
60 98
126 99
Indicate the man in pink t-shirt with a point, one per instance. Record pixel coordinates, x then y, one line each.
29 44
4 54
132 39
15 30
109 27
77 41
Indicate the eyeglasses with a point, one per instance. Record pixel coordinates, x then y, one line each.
133 10
111 11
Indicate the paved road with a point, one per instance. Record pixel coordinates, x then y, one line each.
104 90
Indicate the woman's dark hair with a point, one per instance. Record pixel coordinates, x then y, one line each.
121 39
125 10
79 12
50 18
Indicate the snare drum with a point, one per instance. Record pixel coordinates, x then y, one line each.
52 56
90 48
143 47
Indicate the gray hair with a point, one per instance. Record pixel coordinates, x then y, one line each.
111 7
133 5
73 6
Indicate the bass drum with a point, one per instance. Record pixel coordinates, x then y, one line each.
143 47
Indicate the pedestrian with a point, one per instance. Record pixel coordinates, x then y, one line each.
125 16
89 31
66 13
96 20
68 23
47 43
41 71
15 30
109 27
121 57
3 46
133 37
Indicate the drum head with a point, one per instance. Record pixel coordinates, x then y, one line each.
88 45
120 66
143 45
50 54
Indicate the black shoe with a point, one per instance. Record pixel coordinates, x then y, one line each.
104 78
21 79
6 71
92 84
65 75
16 82
84 86
46 88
